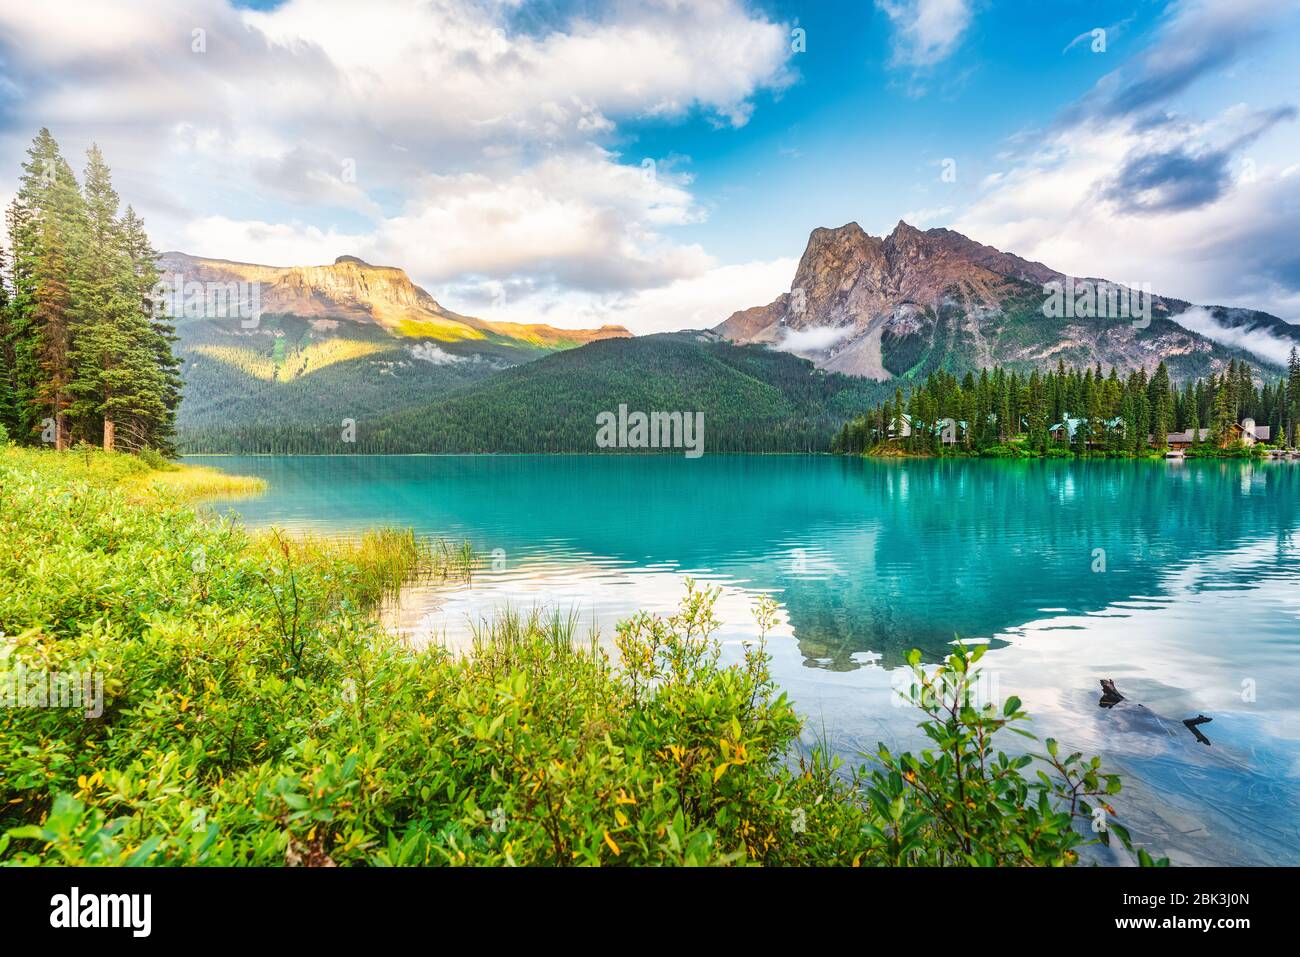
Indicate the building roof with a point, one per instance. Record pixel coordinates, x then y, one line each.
1261 433
1070 425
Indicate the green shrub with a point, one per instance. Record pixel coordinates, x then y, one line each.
155 459
1005 451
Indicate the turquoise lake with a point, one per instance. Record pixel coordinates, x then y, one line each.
1180 581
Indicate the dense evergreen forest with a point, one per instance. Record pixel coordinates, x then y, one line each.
1105 413
753 400
83 357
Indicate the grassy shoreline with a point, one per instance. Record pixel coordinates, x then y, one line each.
253 712
194 483
146 479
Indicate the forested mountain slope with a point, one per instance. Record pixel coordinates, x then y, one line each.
752 399
270 346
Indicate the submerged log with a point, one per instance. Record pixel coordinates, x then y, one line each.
1192 727
1110 697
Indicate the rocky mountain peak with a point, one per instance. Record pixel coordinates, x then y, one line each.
904 234
906 246
917 300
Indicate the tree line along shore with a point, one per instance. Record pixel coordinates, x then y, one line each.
1082 412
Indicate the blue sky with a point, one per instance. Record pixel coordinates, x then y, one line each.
660 163
857 138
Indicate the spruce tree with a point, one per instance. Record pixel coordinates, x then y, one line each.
8 414
1293 394
1161 407
46 227
99 359
159 429
1224 414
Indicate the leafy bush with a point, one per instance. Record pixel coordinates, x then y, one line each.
155 459
1006 451
1234 450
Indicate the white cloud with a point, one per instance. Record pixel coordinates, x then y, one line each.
660 57
1057 205
696 302
270 244
1260 342
813 339
926 31
428 352
583 219
929 216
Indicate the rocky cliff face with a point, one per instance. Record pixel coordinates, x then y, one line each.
353 289
913 301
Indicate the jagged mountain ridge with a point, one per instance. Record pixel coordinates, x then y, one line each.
913 302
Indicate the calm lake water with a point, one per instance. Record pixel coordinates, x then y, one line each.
1179 581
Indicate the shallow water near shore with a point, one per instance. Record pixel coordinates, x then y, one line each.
1180 581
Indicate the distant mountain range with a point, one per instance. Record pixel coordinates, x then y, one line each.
914 302
864 315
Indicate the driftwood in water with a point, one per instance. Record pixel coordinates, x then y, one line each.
1110 697
1192 727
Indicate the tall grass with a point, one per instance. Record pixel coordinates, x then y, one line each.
190 483
510 638
452 563
388 558
378 564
